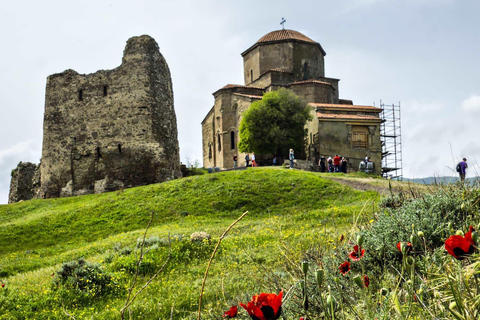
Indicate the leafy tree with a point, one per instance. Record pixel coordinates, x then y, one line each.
275 124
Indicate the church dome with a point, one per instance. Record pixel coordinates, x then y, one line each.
285 35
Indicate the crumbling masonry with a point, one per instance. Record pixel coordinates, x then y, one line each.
105 131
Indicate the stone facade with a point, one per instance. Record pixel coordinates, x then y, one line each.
111 129
289 59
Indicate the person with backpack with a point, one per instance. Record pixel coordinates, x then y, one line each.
247 160
461 169
330 164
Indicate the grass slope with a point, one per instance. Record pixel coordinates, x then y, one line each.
288 206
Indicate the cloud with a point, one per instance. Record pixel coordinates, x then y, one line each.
357 4
472 104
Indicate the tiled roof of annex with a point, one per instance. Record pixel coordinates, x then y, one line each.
233 86
335 116
344 106
251 96
310 81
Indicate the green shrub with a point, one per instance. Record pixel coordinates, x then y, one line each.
194 171
80 281
437 215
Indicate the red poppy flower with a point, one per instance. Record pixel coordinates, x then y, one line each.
459 247
3 285
366 281
231 313
344 267
408 246
357 253
264 306
341 238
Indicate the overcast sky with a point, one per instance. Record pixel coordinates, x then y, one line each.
422 53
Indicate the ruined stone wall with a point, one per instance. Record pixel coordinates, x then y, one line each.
111 129
22 185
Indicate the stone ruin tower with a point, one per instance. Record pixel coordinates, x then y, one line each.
106 131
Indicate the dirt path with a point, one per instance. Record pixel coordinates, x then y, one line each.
364 186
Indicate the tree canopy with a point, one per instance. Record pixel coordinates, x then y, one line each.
274 124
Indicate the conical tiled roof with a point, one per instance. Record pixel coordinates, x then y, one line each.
285 34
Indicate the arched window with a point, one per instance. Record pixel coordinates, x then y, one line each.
305 71
232 140
251 75
219 142
209 151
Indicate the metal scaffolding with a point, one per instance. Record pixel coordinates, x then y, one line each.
390 133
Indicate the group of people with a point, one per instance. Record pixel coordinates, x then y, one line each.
251 158
335 164
248 158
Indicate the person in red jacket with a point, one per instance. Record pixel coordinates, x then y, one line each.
336 163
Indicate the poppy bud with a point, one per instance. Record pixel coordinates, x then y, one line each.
410 260
384 291
459 233
475 237
360 240
414 240
403 248
358 281
462 206
420 234
337 280
452 305
305 267
331 302
319 277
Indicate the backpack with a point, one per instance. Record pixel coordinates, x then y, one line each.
459 167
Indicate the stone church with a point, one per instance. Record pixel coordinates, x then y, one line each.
105 131
288 59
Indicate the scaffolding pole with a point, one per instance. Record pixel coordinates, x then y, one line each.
391 137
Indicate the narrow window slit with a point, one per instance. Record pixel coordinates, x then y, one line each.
99 155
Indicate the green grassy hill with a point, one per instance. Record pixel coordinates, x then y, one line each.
296 208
